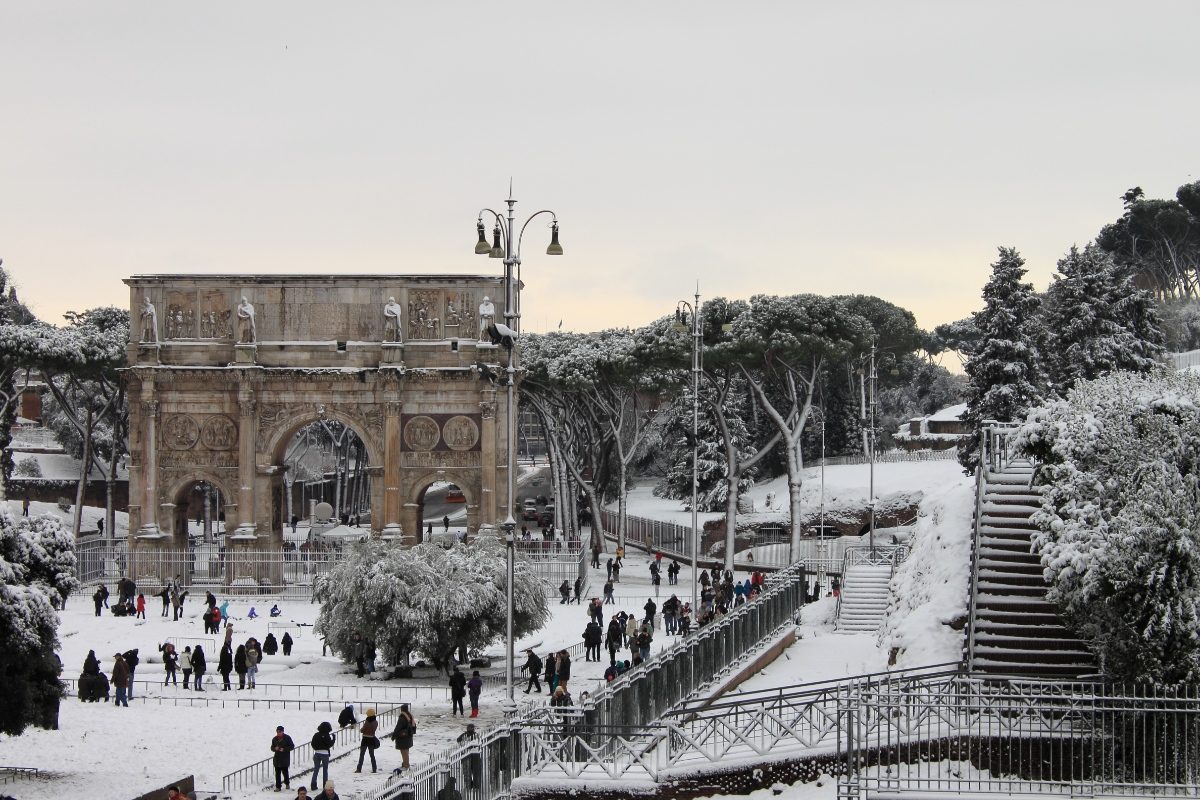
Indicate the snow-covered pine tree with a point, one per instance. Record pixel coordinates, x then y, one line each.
37 572
712 465
1004 372
1097 321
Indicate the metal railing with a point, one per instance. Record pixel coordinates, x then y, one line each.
633 700
996 445
973 596
10 774
887 457
890 555
275 692
963 735
261 774
652 534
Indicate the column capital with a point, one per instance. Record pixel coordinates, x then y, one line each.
150 408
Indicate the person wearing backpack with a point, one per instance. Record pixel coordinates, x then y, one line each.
406 728
533 665
370 742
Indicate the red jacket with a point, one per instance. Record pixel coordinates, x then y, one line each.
141 603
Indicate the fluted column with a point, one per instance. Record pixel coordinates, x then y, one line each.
247 471
391 469
149 462
487 458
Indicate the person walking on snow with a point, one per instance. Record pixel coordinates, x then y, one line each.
613 639
593 634
474 688
239 665
533 666
286 641
565 592
199 667
608 593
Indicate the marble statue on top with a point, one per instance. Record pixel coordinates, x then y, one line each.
149 322
391 320
245 317
487 315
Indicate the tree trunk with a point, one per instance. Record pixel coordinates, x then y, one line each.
84 470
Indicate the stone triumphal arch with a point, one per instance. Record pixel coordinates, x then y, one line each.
225 369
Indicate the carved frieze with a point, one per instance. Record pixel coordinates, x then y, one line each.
180 432
459 315
487 409
444 459
424 318
219 433
197 458
180 322
215 313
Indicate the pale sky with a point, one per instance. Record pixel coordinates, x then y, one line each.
757 147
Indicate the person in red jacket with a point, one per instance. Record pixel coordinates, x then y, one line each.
141 606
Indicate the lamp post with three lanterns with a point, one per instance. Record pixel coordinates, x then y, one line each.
506 244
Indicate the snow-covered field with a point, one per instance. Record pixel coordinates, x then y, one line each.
105 752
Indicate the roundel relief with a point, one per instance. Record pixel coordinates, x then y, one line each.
421 433
219 433
460 433
180 432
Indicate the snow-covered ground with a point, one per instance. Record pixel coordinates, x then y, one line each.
104 752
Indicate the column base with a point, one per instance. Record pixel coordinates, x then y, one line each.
150 531
392 531
246 532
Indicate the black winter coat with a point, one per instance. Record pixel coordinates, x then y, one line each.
225 662
458 684
281 748
592 635
270 646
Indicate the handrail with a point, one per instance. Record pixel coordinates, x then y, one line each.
855 555
973 598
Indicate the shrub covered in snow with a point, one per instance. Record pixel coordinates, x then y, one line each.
426 599
37 564
1120 520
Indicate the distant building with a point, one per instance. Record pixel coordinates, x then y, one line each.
938 431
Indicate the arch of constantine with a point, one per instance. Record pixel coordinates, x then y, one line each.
225 369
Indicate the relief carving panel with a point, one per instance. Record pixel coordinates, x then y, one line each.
180 432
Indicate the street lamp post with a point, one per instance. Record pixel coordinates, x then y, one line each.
507 246
682 308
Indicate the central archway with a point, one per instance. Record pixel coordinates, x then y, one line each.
417 517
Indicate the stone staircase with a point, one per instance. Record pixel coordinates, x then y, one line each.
1015 631
864 597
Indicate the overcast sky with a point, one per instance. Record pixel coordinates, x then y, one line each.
769 147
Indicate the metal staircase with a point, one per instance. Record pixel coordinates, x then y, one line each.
1014 629
866 586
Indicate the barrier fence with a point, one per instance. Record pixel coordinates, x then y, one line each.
261 774
286 574
367 692
965 735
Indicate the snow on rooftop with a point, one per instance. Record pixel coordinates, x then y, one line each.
949 414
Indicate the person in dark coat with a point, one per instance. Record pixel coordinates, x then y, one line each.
458 690
347 716
120 680
240 666
565 592
225 666
550 674
270 645
563 668
474 761
592 636
98 599
131 661
474 689
533 666
322 745
614 639
281 757
165 595
199 667
286 641
448 792
578 589
406 728
170 663
91 665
